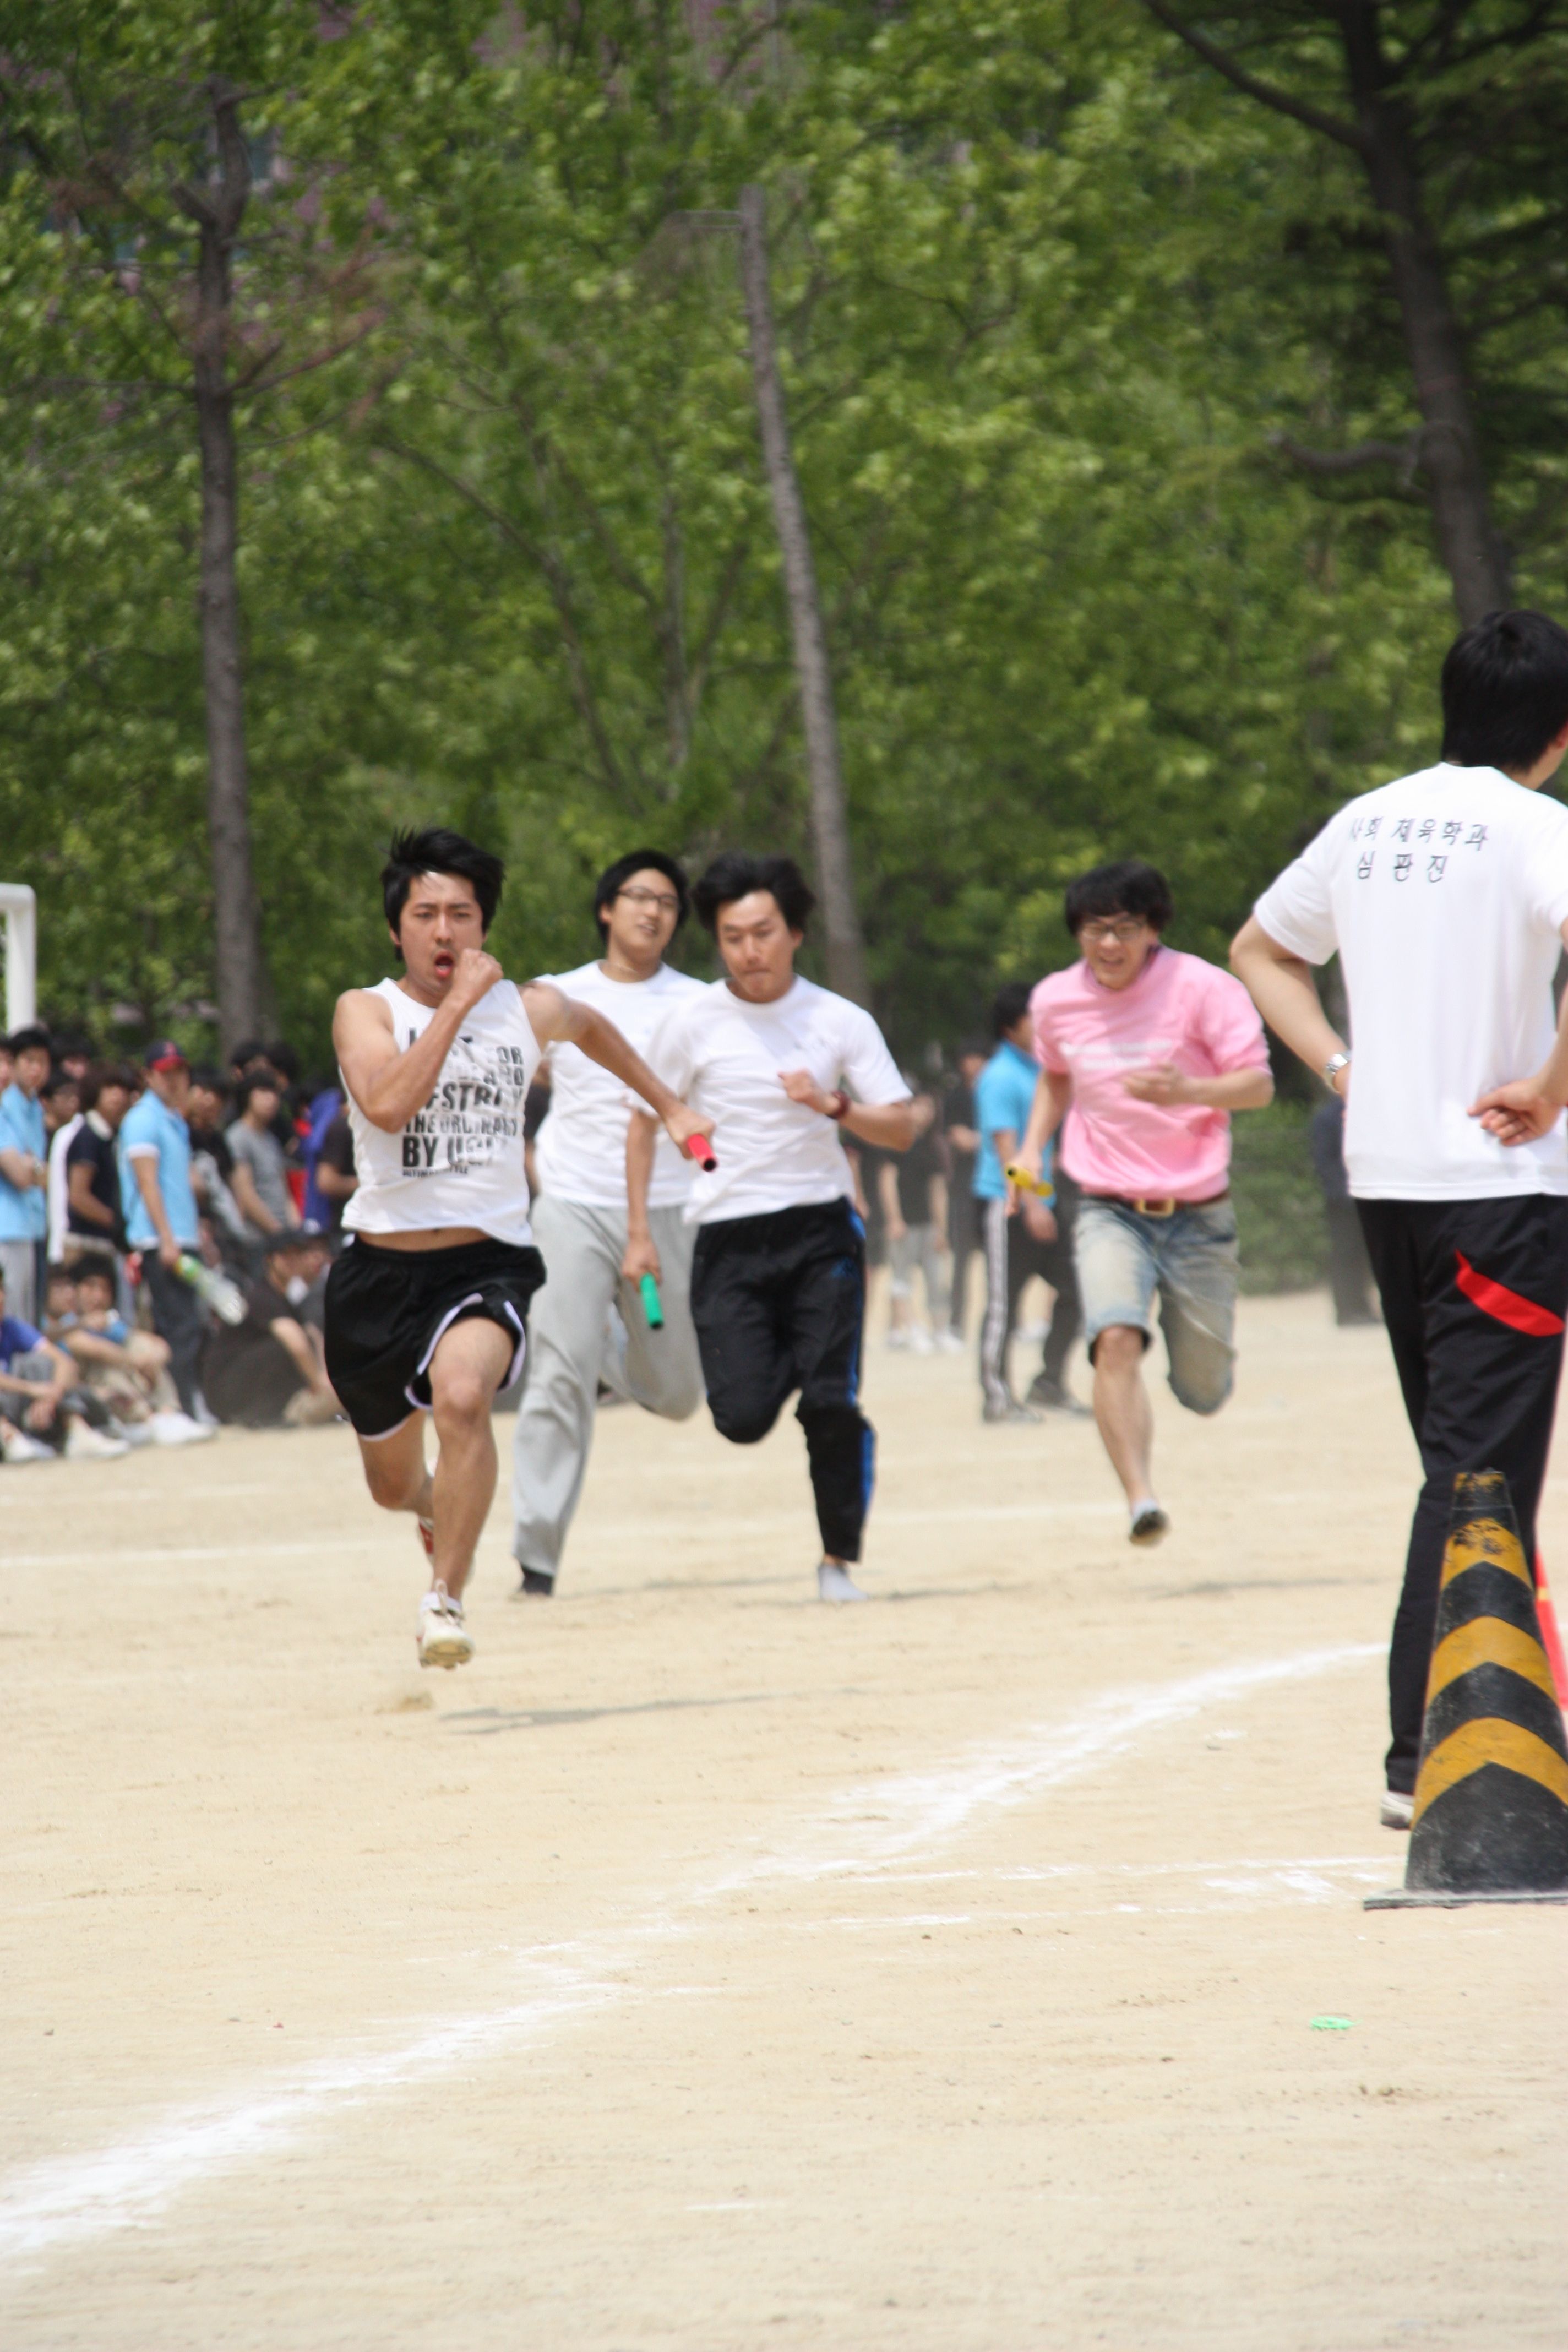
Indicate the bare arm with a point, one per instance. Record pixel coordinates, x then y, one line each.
888 1193
62 1378
145 1168
251 1206
390 1084
1053 1092
332 1182
20 1169
292 1335
1247 1089
641 1255
887 1127
1285 991
84 1202
553 1016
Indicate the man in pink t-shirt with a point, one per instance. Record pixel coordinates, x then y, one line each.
1144 1052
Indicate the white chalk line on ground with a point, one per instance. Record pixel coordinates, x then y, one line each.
71 2199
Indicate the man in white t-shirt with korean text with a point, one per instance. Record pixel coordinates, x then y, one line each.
580 1223
1446 896
778 1278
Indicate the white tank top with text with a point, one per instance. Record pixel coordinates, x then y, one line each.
458 1161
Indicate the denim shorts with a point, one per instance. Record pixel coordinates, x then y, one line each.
1124 1258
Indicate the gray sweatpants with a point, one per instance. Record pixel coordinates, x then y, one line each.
582 1248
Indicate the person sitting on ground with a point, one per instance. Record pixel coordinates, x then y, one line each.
43 1408
912 1189
268 1373
95 1216
260 1183
128 1370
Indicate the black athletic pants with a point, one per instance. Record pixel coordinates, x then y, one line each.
963 1234
1012 1255
779 1303
177 1317
1474 1293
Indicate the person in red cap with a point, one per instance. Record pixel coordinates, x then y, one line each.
161 1218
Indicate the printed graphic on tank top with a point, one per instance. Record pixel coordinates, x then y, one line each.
458 1159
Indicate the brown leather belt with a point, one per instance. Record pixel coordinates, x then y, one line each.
1148 1206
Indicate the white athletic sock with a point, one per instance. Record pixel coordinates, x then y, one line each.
1144 1503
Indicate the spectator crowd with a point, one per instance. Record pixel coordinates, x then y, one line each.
165 1236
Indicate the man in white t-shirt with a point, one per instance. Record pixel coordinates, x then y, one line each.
778 1278
580 1223
1445 894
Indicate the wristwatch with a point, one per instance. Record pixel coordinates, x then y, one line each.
837 1104
1332 1068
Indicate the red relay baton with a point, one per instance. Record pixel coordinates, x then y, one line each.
701 1151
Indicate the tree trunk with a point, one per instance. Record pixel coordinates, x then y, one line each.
845 942
1450 448
244 995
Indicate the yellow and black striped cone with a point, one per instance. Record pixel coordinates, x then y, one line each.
1491 1820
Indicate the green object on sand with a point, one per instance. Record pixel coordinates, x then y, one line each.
1331 2025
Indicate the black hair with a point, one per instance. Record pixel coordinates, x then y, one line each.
93 1262
34 1039
436 849
249 1050
108 1073
1127 887
210 1078
975 1045
1505 691
735 873
614 880
1009 1005
284 1060
254 1082
59 1082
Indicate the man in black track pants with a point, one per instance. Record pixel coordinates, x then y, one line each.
778 1278
1447 896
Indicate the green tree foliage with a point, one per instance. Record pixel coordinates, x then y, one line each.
1048 291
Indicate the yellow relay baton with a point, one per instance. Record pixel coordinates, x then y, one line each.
1040 1186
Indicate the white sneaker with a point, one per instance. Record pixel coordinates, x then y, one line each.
951 1343
1395 1810
85 1444
834 1583
134 1432
443 1638
897 1336
16 1446
178 1429
921 1341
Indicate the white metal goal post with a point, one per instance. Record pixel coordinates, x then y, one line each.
20 908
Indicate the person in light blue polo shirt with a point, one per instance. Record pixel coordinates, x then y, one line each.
1004 1098
160 1207
23 1175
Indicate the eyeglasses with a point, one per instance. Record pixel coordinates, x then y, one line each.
665 900
1122 929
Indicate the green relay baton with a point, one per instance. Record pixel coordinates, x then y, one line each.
652 1306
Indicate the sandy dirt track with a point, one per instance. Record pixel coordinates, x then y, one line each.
704 1968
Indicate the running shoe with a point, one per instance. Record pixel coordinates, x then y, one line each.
537 1584
951 1343
1053 1396
443 1638
1395 1810
1010 1412
85 1444
897 1336
179 1429
835 1583
1149 1526
16 1446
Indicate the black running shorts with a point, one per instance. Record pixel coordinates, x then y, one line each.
387 1309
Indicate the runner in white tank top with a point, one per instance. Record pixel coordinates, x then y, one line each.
427 1304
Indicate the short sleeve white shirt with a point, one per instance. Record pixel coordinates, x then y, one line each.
724 1057
580 1152
1445 894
